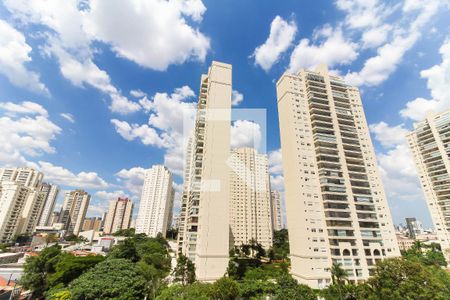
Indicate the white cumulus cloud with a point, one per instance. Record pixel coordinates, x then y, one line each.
282 34
14 56
438 82
329 46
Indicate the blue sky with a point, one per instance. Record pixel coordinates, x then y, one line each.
91 93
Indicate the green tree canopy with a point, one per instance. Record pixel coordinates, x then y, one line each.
404 279
184 271
37 268
111 279
195 291
70 267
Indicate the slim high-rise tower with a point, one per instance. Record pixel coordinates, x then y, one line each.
430 145
74 210
250 209
206 239
51 192
275 201
119 215
336 207
155 208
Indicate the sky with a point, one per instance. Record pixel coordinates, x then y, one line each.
93 92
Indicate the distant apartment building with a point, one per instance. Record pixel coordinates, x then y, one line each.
336 207
93 223
250 208
414 227
74 210
430 146
205 202
275 202
155 207
23 219
54 218
404 242
51 192
119 215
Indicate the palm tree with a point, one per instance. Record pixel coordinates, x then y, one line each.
338 274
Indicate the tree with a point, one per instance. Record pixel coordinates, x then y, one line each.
281 244
75 238
126 250
37 268
111 279
289 289
398 278
172 233
256 289
225 289
4 248
426 254
184 271
245 249
338 274
271 254
70 267
195 291
129 232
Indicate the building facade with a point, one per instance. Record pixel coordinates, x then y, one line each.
30 211
73 211
93 223
250 208
205 202
119 215
13 197
414 227
155 208
430 146
277 218
336 207
51 192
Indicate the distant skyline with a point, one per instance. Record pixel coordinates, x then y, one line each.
91 92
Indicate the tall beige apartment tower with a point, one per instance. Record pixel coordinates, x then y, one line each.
13 197
51 192
250 209
275 202
206 239
31 180
155 208
336 207
119 215
430 145
74 211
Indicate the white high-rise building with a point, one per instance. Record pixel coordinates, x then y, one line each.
155 208
336 207
187 176
31 209
275 200
28 177
74 210
13 197
206 194
51 192
250 209
430 145
119 215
